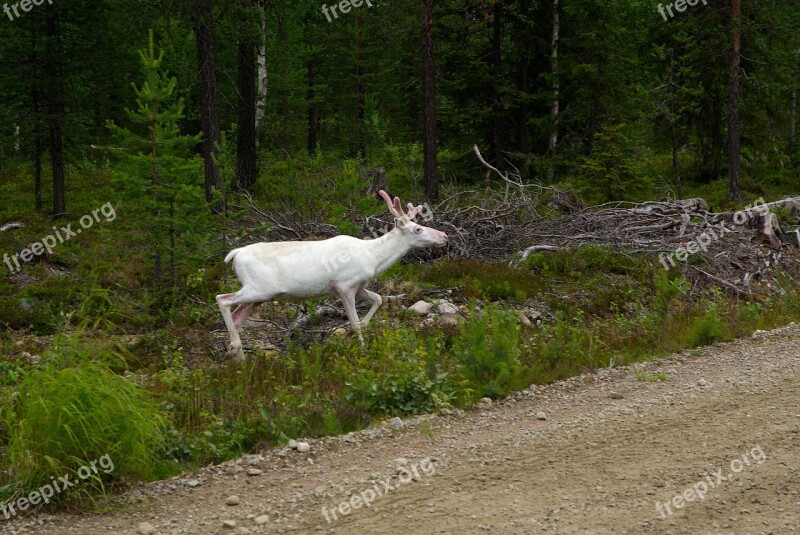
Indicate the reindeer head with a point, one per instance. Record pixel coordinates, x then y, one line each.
418 235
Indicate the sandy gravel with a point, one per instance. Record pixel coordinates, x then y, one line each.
611 447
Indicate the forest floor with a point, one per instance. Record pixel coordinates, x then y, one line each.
614 444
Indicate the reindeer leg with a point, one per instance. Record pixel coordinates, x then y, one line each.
225 301
348 296
377 301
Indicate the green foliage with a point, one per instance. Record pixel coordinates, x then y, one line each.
158 175
649 377
707 329
488 352
484 280
65 418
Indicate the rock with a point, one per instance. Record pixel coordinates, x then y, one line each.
400 464
261 520
396 423
422 308
702 382
282 453
145 528
486 401
254 472
541 416
446 307
303 447
232 500
341 331
193 483
523 319
242 531
616 395
450 320
229 524
292 444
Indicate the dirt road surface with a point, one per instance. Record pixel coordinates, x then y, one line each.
615 444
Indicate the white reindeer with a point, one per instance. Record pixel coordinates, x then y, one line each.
341 265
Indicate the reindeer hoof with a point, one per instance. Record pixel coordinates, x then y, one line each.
236 351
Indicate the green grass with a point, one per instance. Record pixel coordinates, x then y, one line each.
187 409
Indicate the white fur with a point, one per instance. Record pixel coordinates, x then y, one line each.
340 266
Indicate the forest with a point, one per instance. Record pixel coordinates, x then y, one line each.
582 158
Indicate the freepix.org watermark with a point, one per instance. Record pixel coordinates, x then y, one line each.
699 490
382 488
713 234
61 235
679 5
56 486
344 7
24 5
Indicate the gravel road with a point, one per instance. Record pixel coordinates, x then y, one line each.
714 448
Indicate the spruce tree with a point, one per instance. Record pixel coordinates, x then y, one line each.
160 175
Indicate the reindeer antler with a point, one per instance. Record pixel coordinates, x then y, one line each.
413 211
397 211
394 206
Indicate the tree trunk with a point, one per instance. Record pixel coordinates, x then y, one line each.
284 88
733 102
246 166
55 110
209 109
312 107
361 148
673 122
429 103
37 150
793 128
556 105
497 59
261 101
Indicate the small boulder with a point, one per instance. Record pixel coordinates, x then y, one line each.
303 447
541 416
229 524
145 528
261 520
422 308
446 307
232 500
396 423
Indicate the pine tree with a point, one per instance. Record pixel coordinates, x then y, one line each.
161 176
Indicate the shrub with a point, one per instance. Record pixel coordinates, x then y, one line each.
66 418
488 352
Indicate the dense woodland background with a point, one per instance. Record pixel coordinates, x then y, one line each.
210 125
601 96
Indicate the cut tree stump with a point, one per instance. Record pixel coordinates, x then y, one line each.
377 181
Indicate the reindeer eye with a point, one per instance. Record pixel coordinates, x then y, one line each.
418 230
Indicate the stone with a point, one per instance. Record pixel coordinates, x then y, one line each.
261 520
541 416
396 423
303 447
232 500
145 528
447 308
422 308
